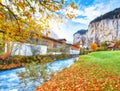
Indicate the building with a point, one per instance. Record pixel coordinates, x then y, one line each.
74 49
42 46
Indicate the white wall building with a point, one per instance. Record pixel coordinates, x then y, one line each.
26 49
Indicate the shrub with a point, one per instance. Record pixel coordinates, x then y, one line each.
117 44
93 46
103 46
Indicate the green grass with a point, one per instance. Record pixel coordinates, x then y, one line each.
108 60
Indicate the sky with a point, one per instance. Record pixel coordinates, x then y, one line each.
86 12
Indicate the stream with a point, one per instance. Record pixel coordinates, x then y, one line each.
9 80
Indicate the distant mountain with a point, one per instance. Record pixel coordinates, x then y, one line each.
81 32
80 35
115 14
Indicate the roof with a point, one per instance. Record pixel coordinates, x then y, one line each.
61 39
77 43
74 47
56 40
49 38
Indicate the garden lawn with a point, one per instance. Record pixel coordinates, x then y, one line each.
97 71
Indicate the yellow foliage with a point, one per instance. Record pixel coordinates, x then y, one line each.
2 16
0 1
72 4
93 46
18 21
71 16
101 47
20 4
62 1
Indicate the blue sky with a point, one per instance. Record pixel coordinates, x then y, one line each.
87 11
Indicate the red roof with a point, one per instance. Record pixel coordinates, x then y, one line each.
75 47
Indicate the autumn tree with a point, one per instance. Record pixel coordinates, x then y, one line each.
93 46
21 20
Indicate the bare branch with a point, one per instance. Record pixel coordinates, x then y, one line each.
30 5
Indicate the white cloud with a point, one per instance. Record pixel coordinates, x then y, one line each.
94 11
67 29
81 20
90 13
58 28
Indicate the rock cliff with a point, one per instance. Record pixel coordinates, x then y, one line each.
104 28
80 35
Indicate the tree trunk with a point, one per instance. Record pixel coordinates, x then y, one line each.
7 53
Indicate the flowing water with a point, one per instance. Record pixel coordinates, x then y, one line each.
9 80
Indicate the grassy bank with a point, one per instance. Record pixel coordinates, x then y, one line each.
21 61
108 60
97 71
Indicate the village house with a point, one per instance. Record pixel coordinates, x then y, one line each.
44 45
74 49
